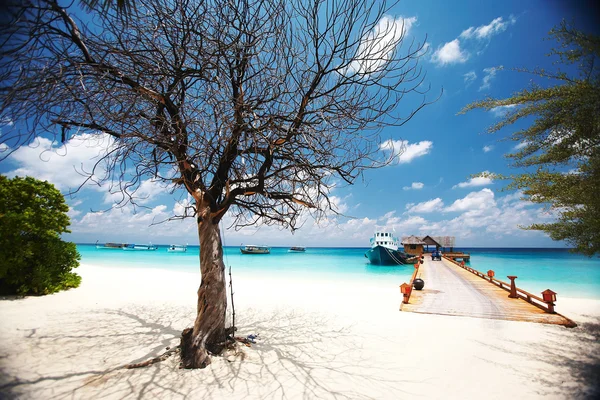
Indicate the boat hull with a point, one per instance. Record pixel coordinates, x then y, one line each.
380 255
177 248
140 248
244 251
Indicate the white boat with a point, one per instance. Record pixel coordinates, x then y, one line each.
254 249
384 250
177 248
140 247
297 249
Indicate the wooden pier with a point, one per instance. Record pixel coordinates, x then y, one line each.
457 256
451 289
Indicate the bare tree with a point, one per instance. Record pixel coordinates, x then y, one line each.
254 107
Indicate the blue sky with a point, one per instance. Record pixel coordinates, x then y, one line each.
429 189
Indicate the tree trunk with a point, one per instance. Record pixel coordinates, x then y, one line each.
208 334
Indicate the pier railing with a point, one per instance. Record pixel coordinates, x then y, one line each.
407 288
515 292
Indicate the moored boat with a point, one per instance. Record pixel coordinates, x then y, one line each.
111 246
253 249
177 248
297 249
140 247
384 250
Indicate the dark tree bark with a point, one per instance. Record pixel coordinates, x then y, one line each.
208 333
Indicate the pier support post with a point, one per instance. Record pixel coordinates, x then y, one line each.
513 287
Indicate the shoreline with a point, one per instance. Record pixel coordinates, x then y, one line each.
353 247
318 339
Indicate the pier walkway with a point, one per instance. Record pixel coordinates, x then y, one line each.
451 290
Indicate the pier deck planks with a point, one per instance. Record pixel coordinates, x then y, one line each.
451 290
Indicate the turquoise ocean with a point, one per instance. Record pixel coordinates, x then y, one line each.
568 274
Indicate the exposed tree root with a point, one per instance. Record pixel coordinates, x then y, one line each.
230 344
154 360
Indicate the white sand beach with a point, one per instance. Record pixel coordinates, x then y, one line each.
317 340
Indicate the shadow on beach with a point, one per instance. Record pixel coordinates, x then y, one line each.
565 363
298 354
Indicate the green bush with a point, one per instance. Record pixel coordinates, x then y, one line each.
33 258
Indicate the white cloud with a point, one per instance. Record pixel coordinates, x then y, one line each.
449 53
412 222
501 111
73 213
407 151
375 48
405 226
573 171
511 197
414 186
388 215
480 220
521 145
452 53
145 193
474 201
61 164
469 77
415 150
473 182
124 224
489 75
487 149
497 25
426 206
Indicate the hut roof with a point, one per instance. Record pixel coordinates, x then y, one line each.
412 240
429 240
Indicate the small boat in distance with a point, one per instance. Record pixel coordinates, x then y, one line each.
297 249
177 248
140 247
253 249
110 246
384 250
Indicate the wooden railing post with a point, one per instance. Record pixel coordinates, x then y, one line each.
549 298
513 287
405 289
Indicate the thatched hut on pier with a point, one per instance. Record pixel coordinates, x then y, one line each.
413 245
429 241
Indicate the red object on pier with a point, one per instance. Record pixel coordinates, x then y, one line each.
513 287
549 296
417 266
491 273
405 288
462 263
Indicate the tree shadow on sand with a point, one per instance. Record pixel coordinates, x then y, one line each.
571 359
297 355
71 355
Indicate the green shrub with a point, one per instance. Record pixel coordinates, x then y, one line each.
33 258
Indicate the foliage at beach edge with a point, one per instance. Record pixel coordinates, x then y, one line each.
34 259
562 144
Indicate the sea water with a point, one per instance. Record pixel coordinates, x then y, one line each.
568 274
